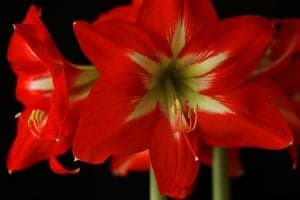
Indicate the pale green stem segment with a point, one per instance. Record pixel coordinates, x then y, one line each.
220 178
153 190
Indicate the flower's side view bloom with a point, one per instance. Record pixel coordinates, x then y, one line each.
52 91
46 82
174 78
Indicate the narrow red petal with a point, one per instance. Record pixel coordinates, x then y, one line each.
121 165
256 121
58 168
173 162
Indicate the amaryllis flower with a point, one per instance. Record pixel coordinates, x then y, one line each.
52 92
280 70
172 79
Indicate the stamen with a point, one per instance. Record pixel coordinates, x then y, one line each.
192 116
187 141
36 122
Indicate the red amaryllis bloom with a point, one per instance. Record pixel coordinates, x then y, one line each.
51 98
172 79
280 65
288 75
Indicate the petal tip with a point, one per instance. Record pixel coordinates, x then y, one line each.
76 159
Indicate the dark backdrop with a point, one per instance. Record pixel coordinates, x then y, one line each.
268 173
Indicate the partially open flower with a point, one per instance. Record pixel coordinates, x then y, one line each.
52 91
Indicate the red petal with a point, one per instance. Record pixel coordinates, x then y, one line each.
242 39
283 48
199 14
22 57
32 96
256 122
289 79
173 162
103 130
160 17
28 150
32 15
32 61
108 51
37 39
29 41
123 13
57 168
122 164
282 101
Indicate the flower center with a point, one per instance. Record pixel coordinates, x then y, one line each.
172 83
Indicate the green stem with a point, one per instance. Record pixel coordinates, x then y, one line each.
153 190
220 178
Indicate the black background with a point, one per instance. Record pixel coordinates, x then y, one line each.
268 174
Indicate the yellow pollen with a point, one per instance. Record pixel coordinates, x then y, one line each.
181 122
35 122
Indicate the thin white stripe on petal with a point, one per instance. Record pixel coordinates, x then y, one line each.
204 83
210 105
187 60
42 84
145 62
179 39
146 104
199 69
